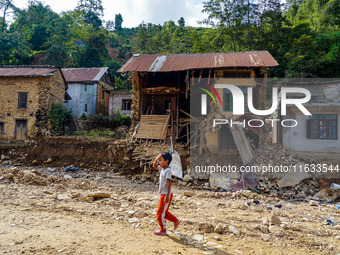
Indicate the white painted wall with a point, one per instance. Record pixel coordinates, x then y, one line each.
295 139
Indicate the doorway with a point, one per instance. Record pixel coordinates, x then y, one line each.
21 129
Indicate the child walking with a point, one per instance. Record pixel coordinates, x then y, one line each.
165 191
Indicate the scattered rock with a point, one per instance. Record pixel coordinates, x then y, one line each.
35 162
49 160
234 230
133 220
187 178
189 193
218 228
245 193
197 237
313 203
217 238
265 237
273 219
63 197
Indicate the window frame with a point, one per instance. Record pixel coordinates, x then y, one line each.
20 103
124 104
2 128
327 127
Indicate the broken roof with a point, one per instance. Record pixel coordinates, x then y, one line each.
73 75
26 71
181 62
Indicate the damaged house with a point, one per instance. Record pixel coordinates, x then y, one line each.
89 89
163 85
320 131
26 94
120 99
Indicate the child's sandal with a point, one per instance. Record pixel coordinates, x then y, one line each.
160 233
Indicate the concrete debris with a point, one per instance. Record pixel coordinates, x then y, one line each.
321 195
293 178
220 180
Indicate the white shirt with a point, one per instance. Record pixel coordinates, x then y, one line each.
163 176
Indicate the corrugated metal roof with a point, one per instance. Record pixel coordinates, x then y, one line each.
181 62
25 71
73 75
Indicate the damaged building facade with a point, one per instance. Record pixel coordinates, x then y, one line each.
27 93
163 84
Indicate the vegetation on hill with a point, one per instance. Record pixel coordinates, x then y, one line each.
302 35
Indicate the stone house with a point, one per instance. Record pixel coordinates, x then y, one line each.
120 99
89 89
26 94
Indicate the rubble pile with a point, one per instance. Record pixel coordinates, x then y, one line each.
273 154
35 177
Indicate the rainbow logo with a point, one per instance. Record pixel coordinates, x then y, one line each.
209 93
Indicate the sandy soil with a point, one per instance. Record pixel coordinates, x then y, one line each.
40 214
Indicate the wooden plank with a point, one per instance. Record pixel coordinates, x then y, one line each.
153 127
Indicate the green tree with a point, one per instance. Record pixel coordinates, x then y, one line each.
181 22
93 11
118 22
56 56
13 51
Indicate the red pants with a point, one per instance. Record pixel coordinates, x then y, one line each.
163 212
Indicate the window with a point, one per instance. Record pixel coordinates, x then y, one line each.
2 128
85 107
22 100
323 126
127 105
228 100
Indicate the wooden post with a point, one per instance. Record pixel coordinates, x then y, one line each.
209 76
177 115
187 85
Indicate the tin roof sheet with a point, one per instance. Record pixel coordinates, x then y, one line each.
181 62
73 75
25 71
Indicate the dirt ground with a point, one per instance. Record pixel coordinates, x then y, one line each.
42 213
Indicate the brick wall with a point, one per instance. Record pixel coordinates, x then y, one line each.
116 101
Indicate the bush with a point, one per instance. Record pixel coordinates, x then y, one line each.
58 117
122 120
